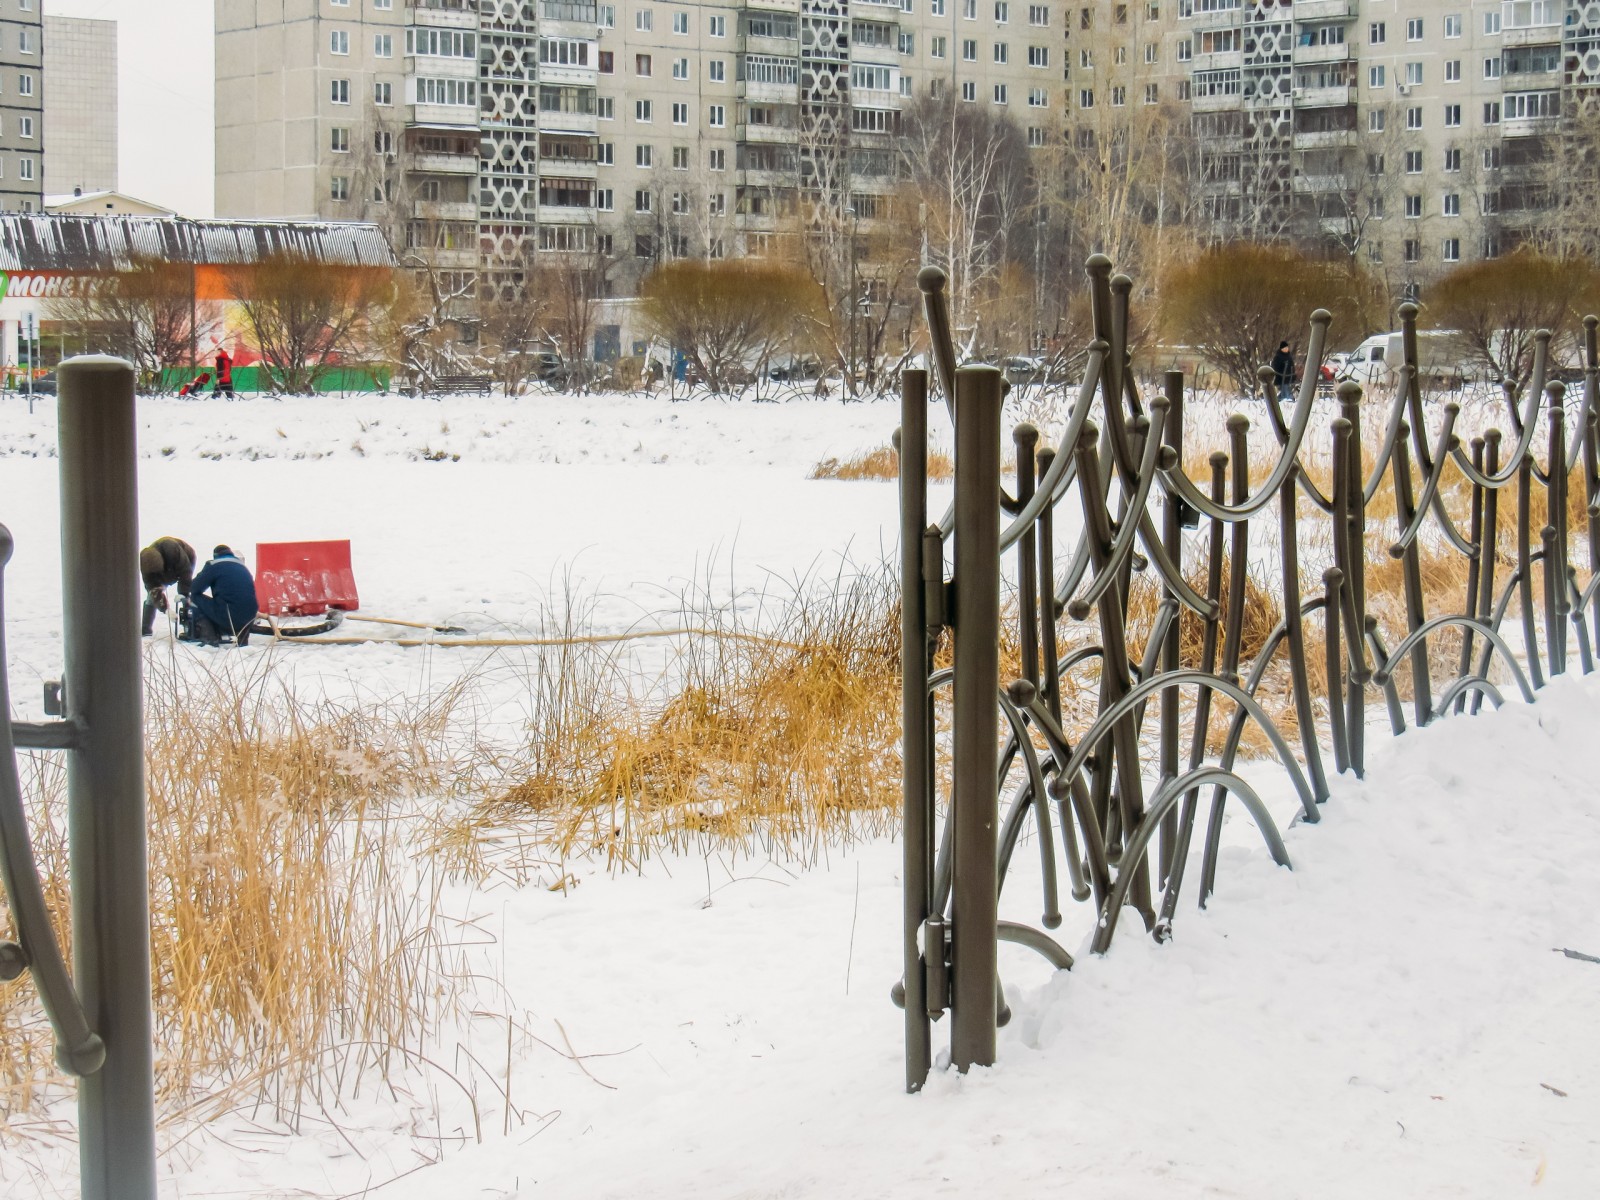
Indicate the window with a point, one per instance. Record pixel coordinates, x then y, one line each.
1523 14
680 23
1038 98
1413 162
1491 23
605 107
717 160
1086 59
1491 246
1086 18
1035 136
1039 14
1120 56
339 188
1185 49
717 117
605 199
969 10
608 62
680 68
1086 98
1375 165
1413 207
680 114
25 41
969 50
339 90
717 204
1038 56
563 52
1001 53
339 41
905 85
1452 160
383 142
1451 249
1414 29
716 71
680 158
607 16
1152 53
25 168
1452 204
1489 202
605 153
1491 67
908 43
1491 112
642 156
1452 116
1527 105
680 203
339 139
1414 118
644 20
1119 96
441 43
1491 158
936 47
1152 93
382 94
1413 72
717 26
383 45
1375 77
1377 33
460 93
643 245
642 111
1375 121
1000 93
969 90
936 8
1001 12
641 65
1413 250
641 201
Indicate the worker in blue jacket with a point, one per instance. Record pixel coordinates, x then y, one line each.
223 599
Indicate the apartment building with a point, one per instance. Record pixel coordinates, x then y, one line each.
21 107
80 104
483 134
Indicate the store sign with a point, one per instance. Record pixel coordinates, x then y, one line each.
50 285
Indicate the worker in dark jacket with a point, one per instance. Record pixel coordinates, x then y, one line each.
224 373
1283 373
164 562
223 598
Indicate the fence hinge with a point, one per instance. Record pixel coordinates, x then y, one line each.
933 940
935 601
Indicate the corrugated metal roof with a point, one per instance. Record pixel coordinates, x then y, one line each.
69 242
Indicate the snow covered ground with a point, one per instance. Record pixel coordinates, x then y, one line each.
1388 1019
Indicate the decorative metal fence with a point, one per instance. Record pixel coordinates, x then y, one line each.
1124 798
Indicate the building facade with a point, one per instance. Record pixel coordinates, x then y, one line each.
80 104
1411 133
21 107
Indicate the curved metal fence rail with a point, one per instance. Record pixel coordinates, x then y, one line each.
1122 794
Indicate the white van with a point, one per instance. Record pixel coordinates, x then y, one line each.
1443 359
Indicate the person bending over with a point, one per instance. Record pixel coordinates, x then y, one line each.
164 562
223 599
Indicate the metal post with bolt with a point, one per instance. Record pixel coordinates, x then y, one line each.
976 626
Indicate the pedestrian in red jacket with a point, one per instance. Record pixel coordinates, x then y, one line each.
224 374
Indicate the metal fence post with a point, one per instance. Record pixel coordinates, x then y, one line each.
976 625
105 782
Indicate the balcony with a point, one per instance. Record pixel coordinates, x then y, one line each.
883 10
465 17
1513 127
443 260
1307 11
464 116
555 121
788 6
568 168
442 164
1309 55
564 214
582 76
771 134
1325 97
438 66
887 56
1225 103
753 177
1316 185
1222 61
1530 35
776 47
769 93
1326 139
445 210
1227 19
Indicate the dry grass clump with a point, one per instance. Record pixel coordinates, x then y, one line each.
295 943
784 738
882 463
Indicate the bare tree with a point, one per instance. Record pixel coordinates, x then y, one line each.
303 316
146 313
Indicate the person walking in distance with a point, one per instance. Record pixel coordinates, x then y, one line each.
224 373
164 562
223 599
1283 372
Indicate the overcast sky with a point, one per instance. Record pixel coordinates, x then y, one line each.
164 81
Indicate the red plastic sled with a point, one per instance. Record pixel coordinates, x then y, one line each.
304 579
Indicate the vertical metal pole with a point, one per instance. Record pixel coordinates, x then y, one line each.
105 775
916 745
976 623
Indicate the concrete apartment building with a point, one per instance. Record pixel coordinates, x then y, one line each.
80 104
485 133
21 107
